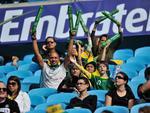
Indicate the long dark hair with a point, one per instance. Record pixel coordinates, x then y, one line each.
17 80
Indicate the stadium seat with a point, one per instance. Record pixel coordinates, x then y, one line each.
78 110
100 96
37 111
28 58
20 62
20 74
45 105
144 51
123 54
37 73
140 79
61 98
144 60
134 87
131 73
36 100
6 69
2 74
32 80
135 108
43 91
132 66
114 109
29 67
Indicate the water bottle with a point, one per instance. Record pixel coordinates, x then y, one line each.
116 70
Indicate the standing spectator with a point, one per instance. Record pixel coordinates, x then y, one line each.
53 74
97 41
121 95
144 89
15 93
83 100
7 105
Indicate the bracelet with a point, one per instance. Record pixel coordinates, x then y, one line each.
33 38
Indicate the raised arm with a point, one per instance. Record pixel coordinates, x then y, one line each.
36 50
87 74
103 58
67 58
94 40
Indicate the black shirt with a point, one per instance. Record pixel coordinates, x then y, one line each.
9 106
90 102
145 95
121 101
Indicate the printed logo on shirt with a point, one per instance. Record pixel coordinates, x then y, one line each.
4 110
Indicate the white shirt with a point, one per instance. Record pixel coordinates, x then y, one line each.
23 101
52 77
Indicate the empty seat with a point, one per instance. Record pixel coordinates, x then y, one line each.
43 91
114 109
123 54
135 108
142 51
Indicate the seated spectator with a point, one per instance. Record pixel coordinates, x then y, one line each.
7 105
145 109
144 89
83 100
69 83
122 94
15 93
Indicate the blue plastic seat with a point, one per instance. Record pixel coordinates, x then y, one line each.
114 109
100 96
144 51
135 108
123 54
43 91
131 73
61 98
20 74
135 66
29 67
37 111
140 79
37 73
144 60
6 69
28 58
134 87
78 110
36 100
45 105
32 80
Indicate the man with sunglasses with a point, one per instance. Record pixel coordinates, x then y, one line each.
7 105
54 72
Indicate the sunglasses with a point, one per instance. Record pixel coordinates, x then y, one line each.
51 42
80 83
3 89
12 83
119 77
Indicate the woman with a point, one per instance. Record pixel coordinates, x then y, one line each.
83 100
69 83
121 94
15 93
